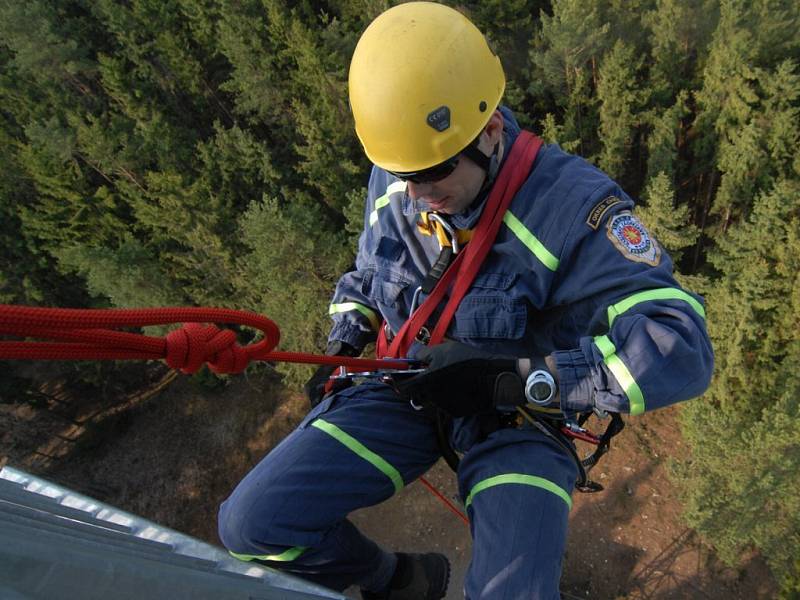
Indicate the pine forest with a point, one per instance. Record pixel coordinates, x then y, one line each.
202 152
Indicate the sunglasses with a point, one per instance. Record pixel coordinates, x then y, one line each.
431 174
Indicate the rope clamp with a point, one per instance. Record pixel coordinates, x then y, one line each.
383 375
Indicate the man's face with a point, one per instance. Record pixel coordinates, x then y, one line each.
454 193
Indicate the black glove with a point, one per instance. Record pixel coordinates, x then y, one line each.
464 381
314 388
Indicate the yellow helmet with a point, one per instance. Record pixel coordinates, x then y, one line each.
423 85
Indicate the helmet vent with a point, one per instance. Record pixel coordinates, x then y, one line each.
482 106
439 119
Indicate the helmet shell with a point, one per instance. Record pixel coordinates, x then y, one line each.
423 83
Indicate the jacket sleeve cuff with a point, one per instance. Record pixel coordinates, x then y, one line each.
574 381
351 334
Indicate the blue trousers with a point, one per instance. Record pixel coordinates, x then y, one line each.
359 447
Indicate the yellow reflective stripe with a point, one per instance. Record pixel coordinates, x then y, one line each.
348 306
621 372
394 188
379 204
658 294
519 478
362 451
286 556
533 244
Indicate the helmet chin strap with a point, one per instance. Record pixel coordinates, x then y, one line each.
494 167
490 164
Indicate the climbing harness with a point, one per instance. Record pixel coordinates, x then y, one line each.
450 243
453 272
561 434
464 268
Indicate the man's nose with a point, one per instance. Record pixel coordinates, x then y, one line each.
417 190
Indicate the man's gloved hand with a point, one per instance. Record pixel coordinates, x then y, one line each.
464 381
314 388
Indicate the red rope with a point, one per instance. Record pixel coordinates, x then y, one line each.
444 500
520 161
91 334
78 334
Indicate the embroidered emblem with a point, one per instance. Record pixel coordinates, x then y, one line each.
632 239
601 209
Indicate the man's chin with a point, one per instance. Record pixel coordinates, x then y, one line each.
443 206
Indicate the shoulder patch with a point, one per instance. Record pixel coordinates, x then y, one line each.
596 215
631 238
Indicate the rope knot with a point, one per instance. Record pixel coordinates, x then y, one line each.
195 344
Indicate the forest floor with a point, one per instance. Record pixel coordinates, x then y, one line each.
174 456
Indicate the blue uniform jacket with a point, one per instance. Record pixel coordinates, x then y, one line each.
572 274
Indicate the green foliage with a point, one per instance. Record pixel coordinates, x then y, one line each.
741 484
202 152
620 103
129 275
790 586
679 33
743 478
354 213
293 263
665 139
564 63
671 225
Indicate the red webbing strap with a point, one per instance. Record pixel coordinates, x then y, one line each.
91 335
468 262
527 147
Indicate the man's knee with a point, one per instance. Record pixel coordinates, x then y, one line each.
233 526
248 520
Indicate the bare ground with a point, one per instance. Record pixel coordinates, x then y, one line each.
174 456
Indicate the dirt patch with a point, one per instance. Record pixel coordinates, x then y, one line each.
175 457
627 541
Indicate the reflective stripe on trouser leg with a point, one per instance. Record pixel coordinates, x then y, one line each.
300 494
518 485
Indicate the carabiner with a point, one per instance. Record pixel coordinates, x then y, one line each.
448 228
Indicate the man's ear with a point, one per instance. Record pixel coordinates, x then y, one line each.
493 132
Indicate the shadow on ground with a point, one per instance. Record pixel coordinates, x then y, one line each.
175 457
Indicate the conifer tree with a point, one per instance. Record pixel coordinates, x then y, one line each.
317 55
129 275
625 20
670 224
621 101
663 142
679 33
17 260
730 137
741 482
564 57
290 270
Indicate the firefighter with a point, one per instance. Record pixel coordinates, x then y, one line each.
573 309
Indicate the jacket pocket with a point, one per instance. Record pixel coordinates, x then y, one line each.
489 310
384 287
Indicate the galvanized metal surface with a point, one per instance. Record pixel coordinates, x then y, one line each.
57 544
